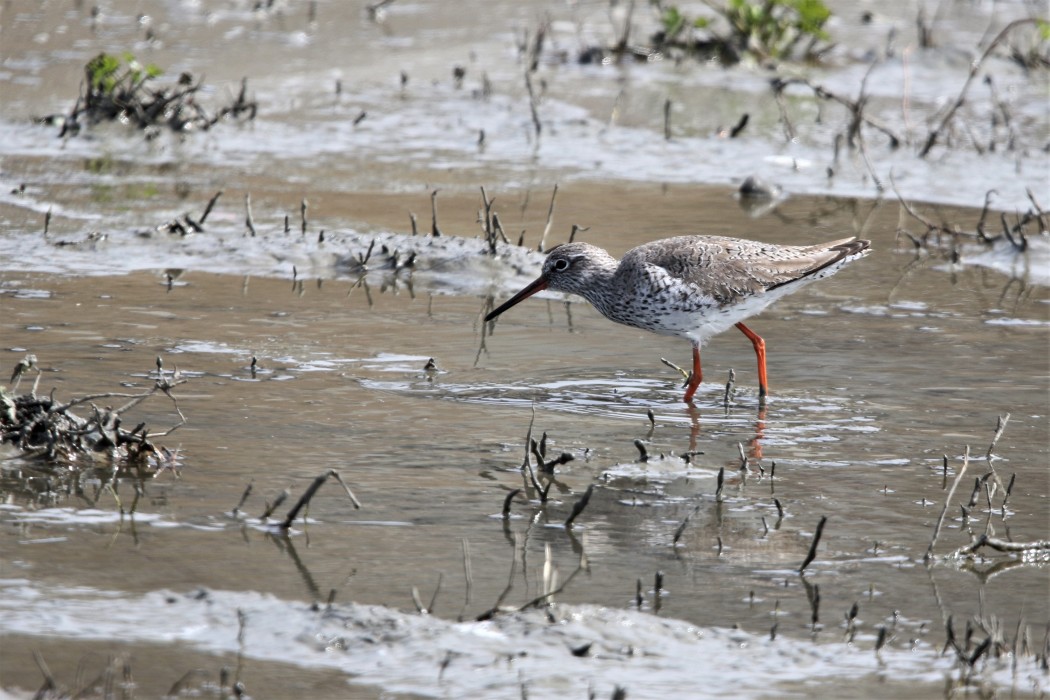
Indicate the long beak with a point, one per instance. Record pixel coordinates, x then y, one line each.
538 286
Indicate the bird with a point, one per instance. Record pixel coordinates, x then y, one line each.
692 287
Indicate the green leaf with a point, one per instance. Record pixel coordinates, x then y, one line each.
812 15
102 70
672 20
1044 29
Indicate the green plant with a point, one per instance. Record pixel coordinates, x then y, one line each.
112 77
119 88
774 28
674 23
764 29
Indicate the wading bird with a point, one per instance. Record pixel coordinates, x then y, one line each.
691 287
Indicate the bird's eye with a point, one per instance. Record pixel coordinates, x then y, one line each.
561 265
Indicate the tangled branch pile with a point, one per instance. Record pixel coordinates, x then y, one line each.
119 89
49 430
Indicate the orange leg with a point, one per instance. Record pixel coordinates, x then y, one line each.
695 376
760 353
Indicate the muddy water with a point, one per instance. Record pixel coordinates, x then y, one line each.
876 374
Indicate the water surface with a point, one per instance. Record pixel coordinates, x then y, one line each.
877 374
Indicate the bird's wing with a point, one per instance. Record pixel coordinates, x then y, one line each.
730 268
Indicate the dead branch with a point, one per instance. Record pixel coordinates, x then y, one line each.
550 220
43 427
1000 545
947 501
975 67
578 507
1015 234
308 495
813 545
491 612
856 107
506 501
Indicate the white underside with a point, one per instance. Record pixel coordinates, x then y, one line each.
701 327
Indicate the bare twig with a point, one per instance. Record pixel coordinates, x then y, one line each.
578 507
437 589
533 106
813 545
486 222
947 501
730 385
248 213
550 220
1000 545
975 67
999 428
244 497
434 230
506 502
349 493
468 573
210 206
526 464
547 595
681 528
309 494
491 612
271 507
675 367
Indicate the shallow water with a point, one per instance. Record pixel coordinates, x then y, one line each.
876 374
864 406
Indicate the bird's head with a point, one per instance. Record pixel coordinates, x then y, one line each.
571 267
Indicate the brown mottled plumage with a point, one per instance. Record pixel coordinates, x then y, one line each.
690 286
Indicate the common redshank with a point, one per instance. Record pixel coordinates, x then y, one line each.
691 287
